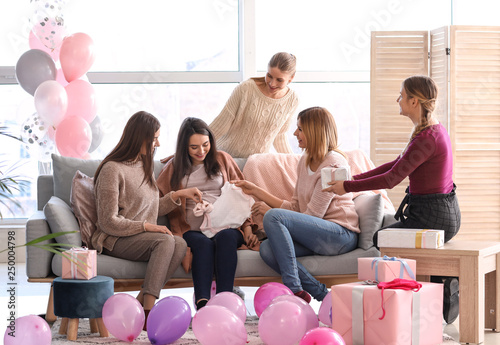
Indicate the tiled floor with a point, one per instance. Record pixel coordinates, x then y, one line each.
31 298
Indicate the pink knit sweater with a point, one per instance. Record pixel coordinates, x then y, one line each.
308 197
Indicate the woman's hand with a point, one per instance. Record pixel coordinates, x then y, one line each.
191 193
250 238
336 186
260 208
246 186
157 228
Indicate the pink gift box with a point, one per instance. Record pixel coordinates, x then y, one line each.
411 318
79 263
386 269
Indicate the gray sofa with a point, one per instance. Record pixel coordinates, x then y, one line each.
55 214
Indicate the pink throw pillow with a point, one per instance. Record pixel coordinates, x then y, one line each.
83 205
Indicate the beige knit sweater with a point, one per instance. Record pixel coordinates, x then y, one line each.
251 122
124 203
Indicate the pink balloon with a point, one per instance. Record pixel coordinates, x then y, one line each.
265 294
35 43
77 55
30 329
231 301
282 322
325 310
123 316
51 102
51 133
311 317
60 78
323 336
81 100
73 137
215 325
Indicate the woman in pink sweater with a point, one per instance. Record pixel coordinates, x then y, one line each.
313 222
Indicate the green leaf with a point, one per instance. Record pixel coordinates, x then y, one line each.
45 238
49 236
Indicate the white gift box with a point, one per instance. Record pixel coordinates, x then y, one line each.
410 238
329 174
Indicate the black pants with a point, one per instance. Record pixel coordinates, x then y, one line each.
431 211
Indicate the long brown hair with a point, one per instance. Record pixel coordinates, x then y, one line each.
140 129
425 90
320 130
182 161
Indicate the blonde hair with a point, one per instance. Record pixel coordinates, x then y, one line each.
285 62
320 130
425 90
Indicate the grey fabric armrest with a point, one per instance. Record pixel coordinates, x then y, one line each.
37 260
388 219
45 189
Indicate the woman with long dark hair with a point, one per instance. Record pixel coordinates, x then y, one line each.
199 165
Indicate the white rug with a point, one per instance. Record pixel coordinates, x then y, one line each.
85 337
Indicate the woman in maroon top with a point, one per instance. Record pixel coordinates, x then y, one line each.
430 202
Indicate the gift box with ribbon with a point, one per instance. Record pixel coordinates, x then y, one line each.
410 238
362 314
385 269
79 263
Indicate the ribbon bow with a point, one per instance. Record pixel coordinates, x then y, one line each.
403 284
404 266
202 208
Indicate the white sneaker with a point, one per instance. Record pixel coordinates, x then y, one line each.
237 290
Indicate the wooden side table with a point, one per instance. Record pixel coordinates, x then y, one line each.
475 263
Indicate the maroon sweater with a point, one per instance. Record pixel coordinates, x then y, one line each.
428 162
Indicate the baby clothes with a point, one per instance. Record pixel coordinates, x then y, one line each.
230 210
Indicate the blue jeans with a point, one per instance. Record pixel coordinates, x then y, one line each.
292 234
213 255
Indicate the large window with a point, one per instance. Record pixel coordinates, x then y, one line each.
183 58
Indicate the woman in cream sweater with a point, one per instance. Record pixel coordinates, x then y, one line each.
259 112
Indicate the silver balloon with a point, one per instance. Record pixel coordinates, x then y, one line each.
33 68
33 130
97 134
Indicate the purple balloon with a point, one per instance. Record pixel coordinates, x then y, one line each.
266 293
123 316
33 68
168 320
30 329
217 325
311 317
325 310
323 336
283 322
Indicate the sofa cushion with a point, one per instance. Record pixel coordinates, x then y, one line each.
83 205
370 209
64 170
61 218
